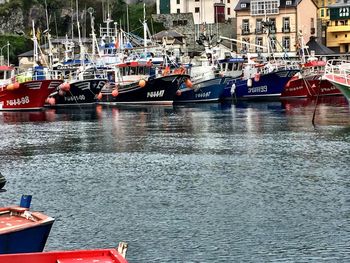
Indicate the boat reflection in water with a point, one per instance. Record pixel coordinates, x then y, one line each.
330 110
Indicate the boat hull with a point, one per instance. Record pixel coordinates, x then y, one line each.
341 84
82 256
160 91
270 85
206 91
26 240
309 87
30 95
81 92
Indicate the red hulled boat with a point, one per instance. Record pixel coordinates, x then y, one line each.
309 82
22 92
81 256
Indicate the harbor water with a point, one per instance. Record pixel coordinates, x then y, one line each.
245 182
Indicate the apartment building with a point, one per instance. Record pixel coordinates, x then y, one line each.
204 11
338 26
288 18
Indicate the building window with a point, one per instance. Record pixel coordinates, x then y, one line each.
267 7
259 42
286 43
273 25
243 5
322 12
178 2
245 27
178 11
196 10
286 25
258 27
228 1
288 2
228 11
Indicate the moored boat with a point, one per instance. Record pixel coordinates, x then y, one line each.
81 256
204 91
338 73
309 83
24 92
261 81
22 230
137 83
2 181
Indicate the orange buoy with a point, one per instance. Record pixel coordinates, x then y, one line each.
99 96
16 85
65 86
52 101
61 92
178 92
142 83
115 93
10 86
188 83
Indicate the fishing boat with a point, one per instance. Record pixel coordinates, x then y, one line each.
138 82
261 81
204 91
79 88
81 256
22 230
2 181
309 83
338 73
25 91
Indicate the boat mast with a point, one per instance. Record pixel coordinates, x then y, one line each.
35 43
82 49
48 37
144 27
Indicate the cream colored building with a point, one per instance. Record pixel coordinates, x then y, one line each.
287 17
204 11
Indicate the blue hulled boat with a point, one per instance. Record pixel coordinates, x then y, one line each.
205 91
21 230
263 86
260 80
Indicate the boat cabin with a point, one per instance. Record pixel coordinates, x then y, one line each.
231 67
6 73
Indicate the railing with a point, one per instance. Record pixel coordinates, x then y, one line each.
337 70
245 31
285 29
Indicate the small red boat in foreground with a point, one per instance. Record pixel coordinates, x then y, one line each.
309 82
23 93
79 256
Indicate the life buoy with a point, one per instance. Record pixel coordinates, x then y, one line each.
257 77
115 93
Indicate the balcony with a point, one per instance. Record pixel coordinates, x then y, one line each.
245 31
259 31
273 30
286 29
334 29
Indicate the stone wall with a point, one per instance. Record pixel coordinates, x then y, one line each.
183 23
12 23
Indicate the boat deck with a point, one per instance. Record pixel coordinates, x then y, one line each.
17 218
337 78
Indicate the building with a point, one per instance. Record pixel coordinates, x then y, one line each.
204 11
338 26
191 18
288 18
